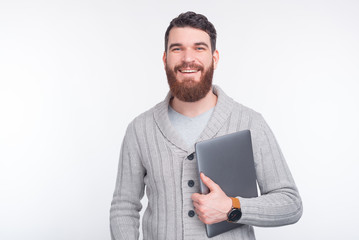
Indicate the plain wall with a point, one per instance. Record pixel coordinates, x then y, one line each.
73 74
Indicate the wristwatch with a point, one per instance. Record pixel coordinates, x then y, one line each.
235 213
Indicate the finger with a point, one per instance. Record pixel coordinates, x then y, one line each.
205 219
208 182
195 204
199 209
200 218
196 196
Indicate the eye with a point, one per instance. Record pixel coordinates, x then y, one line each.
200 48
176 49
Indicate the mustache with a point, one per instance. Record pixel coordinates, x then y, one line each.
188 65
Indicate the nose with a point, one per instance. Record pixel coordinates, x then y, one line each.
188 56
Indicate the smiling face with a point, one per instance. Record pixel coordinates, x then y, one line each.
189 63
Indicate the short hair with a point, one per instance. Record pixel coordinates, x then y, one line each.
194 20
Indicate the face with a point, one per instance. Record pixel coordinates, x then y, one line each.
189 63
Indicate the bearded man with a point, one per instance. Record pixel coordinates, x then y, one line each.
158 152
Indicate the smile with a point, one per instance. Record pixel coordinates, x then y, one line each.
188 71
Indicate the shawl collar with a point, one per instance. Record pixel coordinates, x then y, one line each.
220 114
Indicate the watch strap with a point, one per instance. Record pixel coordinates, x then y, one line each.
235 203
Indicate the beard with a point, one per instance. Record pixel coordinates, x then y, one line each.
190 90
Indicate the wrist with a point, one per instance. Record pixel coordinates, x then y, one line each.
235 213
229 205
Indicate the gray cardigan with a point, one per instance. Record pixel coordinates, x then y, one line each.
155 156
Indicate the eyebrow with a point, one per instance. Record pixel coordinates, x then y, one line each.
201 43
180 45
175 45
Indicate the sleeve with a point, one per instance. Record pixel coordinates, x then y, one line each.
280 203
129 190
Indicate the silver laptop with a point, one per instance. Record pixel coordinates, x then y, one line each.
228 161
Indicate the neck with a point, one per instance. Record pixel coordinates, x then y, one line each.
193 109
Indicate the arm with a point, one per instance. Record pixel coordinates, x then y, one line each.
280 203
129 190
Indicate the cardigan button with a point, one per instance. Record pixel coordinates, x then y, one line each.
191 213
191 183
190 157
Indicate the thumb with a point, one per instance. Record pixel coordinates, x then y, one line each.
208 182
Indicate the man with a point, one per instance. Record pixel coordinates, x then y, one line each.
158 152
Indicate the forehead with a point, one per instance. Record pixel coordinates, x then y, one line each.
187 36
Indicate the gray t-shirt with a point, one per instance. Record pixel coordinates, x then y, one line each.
189 128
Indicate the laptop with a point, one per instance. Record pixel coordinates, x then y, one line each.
228 161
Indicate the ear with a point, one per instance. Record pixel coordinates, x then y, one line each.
164 58
215 58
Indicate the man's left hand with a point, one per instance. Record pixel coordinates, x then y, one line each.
214 206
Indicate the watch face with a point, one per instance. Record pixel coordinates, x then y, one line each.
234 215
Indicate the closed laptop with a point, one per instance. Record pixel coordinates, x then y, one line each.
228 161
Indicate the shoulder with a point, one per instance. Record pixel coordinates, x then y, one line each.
138 124
237 109
246 112
134 135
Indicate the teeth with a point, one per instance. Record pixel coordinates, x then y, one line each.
189 71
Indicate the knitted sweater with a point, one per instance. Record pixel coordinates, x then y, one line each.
155 156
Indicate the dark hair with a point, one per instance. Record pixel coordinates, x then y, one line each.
192 19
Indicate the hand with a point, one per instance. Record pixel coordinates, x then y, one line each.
214 206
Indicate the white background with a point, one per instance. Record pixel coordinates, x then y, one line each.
73 74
